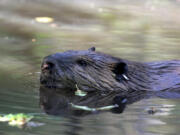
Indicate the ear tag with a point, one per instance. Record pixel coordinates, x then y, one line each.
125 77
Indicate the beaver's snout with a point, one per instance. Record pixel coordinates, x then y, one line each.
48 71
56 71
48 66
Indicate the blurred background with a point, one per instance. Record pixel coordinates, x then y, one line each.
143 30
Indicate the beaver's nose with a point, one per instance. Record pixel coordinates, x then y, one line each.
48 65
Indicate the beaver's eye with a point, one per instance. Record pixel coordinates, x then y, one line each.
82 63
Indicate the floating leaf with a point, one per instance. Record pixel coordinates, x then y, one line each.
16 119
44 19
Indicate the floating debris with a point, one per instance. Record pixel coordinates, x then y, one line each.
44 19
162 110
152 110
18 120
33 40
79 92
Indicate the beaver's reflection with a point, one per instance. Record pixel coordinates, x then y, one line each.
60 102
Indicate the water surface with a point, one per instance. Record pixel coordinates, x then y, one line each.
146 30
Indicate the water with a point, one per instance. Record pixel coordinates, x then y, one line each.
146 30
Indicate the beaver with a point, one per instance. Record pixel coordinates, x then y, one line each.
106 80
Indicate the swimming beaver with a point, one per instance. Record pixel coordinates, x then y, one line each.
104 78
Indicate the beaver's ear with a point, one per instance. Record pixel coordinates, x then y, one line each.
120 69
92 49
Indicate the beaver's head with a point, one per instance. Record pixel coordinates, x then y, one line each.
88 69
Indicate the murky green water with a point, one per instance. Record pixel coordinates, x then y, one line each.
144 30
